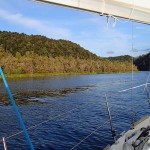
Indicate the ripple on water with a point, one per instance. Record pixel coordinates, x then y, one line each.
60 95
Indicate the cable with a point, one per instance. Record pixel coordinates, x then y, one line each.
132 46
82 140
60 115
148 78
133 7
133 87
52 118
94 131
88 135
146 89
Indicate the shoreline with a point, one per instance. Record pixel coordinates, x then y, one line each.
40 75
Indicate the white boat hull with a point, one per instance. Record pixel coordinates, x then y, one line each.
137 138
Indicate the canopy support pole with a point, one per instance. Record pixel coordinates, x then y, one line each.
16 109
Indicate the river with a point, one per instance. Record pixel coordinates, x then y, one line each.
72 107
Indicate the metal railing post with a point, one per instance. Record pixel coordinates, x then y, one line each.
4 143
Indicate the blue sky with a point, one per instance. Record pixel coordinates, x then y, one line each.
87 29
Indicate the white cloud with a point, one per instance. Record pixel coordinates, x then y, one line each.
88 30
47 29
110 52
101 41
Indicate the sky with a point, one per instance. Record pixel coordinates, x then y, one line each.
86 29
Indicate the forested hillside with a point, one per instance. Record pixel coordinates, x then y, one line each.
121 58
143 62
24 54
14 42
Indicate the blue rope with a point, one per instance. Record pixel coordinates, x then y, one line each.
16 109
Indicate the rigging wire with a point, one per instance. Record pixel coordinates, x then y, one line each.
51 118
61 115
146 89
65 113
148 78
133 88
131 13
98 127
94 131
132 75
132 9
114 134
132 46
132 50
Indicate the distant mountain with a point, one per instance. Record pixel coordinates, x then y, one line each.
14 42
31 54
121 58
143 62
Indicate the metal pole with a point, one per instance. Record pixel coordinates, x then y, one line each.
16 109
4 143
110 120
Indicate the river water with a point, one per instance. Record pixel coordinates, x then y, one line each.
72 107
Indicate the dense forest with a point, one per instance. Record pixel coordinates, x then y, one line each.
142 62
121 58
24 54
14 42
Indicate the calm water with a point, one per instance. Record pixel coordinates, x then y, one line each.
85 103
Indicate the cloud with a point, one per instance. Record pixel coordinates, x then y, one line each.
88 30
47 29
110 52
105 42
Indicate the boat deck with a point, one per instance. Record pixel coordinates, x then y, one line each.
144 122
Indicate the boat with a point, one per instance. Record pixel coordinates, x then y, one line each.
132 10
138 136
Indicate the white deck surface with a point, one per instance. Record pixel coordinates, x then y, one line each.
138 125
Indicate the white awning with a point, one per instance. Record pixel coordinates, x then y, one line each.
137 10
